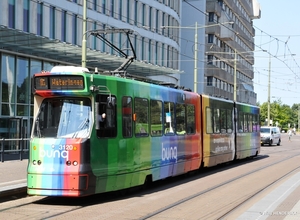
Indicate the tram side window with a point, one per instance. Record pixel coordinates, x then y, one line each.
169 118
180 119
240 122
106 104
255 124
191 127
216 120
209 120
127 116
250 122
141 116
246 127
156 117
223 121
229 121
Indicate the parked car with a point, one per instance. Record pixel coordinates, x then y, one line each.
270 135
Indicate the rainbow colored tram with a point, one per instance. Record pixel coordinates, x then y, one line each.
150 132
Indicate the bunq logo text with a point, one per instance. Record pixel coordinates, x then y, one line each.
168 154
54 154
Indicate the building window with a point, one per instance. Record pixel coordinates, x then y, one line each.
112 8
63 25
150 51
39 19
26 15
163 23
211 16
156 20
95 5
210 38
168 56
103 6
11 13
143 48
135 12
143 15
74 33
52 22
128 11
23 89
210 59
150 18
162 54
156 53
120 10
8 85
209 81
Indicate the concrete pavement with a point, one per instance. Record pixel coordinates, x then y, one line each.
13 174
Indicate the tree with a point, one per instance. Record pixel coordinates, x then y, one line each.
281 114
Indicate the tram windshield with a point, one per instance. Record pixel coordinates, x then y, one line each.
64 118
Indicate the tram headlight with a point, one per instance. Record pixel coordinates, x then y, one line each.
75 163
39 162
34 162
68 163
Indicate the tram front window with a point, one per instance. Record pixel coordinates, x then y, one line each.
64 118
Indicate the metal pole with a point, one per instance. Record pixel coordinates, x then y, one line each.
83 60
269 88
196 58
234 80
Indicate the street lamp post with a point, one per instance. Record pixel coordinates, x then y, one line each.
269 89
83 59
196 45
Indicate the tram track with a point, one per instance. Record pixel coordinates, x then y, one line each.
178 203
69 207
256 193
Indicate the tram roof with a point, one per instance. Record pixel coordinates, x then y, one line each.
18 41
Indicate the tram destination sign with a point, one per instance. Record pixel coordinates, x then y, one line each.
59 82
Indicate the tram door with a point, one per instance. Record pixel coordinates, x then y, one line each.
11 128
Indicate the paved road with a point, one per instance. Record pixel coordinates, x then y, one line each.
13 176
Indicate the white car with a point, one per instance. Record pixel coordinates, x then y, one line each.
270 135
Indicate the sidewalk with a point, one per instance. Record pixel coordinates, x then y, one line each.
13 176
282 203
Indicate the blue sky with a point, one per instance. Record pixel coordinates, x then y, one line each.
278 33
